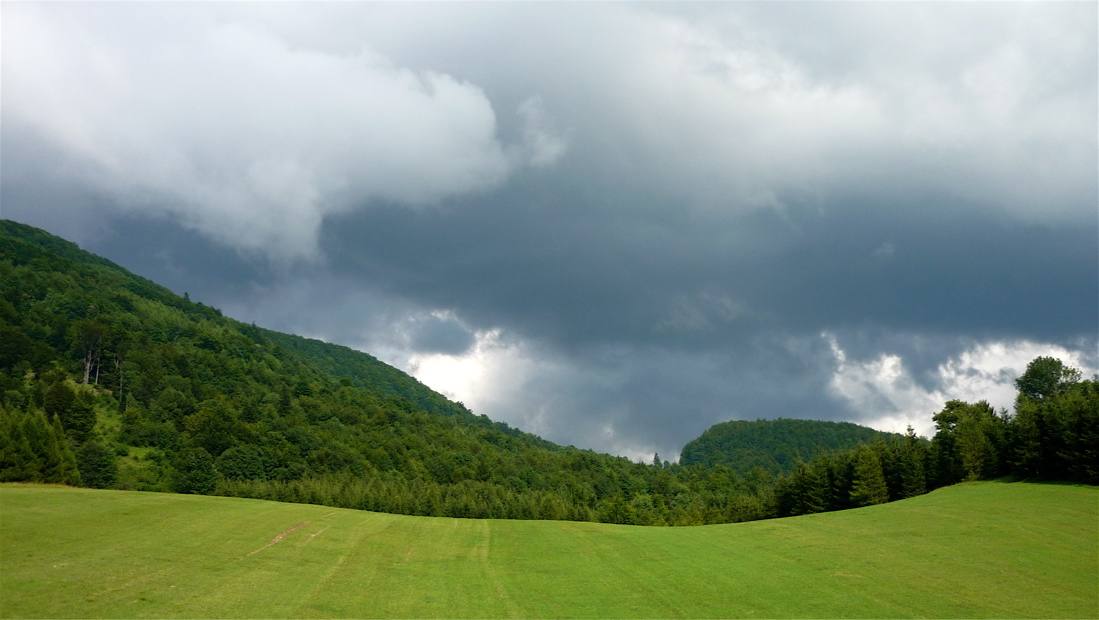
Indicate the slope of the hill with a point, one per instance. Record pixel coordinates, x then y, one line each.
775 445
95 554
364 370
25 245
151 391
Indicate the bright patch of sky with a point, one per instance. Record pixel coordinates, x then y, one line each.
886 395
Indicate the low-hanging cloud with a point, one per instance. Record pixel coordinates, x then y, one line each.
244 137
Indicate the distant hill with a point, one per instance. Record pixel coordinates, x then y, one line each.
775 445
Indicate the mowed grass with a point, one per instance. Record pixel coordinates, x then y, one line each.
973 550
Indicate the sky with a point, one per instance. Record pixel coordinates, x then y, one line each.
610 224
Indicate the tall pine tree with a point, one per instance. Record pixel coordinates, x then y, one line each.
869 482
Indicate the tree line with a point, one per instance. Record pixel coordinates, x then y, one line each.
1052 435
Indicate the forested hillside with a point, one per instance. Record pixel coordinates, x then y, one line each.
1053 435
775 445
109 380
146 390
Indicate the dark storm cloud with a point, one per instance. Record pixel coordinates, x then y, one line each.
636 402
610 224
440 334
579 272
690 303
182 260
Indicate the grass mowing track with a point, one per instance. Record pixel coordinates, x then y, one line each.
988 549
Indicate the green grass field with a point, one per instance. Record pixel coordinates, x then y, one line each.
973 550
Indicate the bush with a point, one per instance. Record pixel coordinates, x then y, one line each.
195 472
97 465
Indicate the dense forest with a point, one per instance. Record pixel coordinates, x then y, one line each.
1053 435
775 445
109 380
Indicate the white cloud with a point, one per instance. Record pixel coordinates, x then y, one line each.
242 136
884 394
513 381
490 378
998 124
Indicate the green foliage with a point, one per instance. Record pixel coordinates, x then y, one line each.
97 465
911 458
34 450
73 408
172 406
1044 378
969 442
775 445
866 475
194 471
868 481
1056 436
243 462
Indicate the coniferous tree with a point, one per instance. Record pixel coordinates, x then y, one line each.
843 475
58 400
1081 441
72 408
1055 431
968 442
868 484
1026 432
820 498
66 471
979 437
18 462
912 458
33 450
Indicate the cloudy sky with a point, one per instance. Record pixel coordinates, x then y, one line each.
612 225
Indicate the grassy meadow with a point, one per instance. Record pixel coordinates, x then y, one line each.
987 549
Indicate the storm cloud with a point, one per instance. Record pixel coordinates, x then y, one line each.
609 224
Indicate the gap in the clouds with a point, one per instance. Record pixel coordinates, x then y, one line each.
883 391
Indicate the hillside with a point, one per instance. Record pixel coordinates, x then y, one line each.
775 445
144 390
83 553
